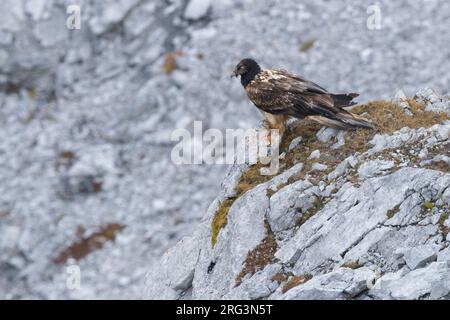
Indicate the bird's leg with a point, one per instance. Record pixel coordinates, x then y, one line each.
275 122
275 130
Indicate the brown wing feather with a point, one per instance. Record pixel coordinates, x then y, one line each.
278 92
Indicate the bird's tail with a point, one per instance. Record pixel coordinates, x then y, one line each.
343 120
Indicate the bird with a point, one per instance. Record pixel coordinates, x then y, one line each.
280 95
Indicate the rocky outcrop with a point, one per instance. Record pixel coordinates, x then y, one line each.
87 115
374 225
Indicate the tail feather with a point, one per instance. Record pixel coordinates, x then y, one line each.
353 120
344 120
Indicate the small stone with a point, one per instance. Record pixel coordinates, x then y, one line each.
325 134
294 143
314 155
319 167
341 140
340 169
401 101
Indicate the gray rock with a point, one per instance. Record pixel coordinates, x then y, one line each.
401 101
111 13
418 257
319 167
101 93
340 168
349 218
245 229
444 256
259 286
374 167
289 204
177 272
326 134
358 226
434 101
197 9
340 140
432 281
314 155
342 283
295 143
436 159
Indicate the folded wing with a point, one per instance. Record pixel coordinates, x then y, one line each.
279 92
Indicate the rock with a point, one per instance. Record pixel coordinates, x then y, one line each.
99 96
432 281
436 159
340 140
259 286
341 168
325 134
179 265
340 284
359 212
112 12
341 233
295 143
434 101
314 155
374 167
444 256
418 257
401 101
319 167
243 232
197 9
289 204
36 8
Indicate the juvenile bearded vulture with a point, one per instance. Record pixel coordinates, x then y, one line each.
281 95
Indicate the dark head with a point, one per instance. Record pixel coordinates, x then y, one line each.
247 69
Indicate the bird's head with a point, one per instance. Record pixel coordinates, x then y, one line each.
245 67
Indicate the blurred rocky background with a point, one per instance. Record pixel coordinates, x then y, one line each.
86 116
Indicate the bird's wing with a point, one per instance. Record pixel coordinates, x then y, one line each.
279 92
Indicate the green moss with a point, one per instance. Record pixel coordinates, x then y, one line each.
220 219
391 213
444 229
427 205
443 218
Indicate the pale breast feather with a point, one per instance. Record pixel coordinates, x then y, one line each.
269 75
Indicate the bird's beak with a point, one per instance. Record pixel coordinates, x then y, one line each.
234 74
